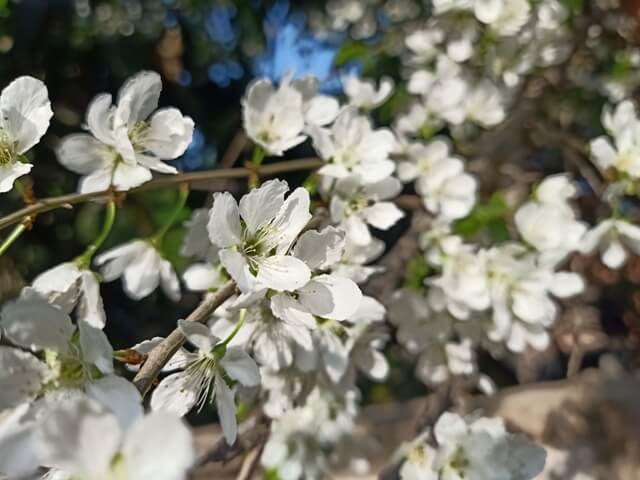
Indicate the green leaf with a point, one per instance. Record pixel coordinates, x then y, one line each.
489 216
350 51
417 270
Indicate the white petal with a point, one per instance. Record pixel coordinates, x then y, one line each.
615 255
374 364
128 176
91 309
158 446
169 133
241 367
224 221
155 164
282 272
331 296
18 458
174 394
335 357
566 284
198 334
226 410
261 205
33 323
383 215
320 249
169 281
26 112
120 396
321 110
488 11
100 118
138 97
21 377
291 311
83 154
142 275
201 277
97 181
115 260
77 439
291 219
96 348
9 173
238 268
450 428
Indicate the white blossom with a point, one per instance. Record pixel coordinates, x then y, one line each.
202 378
352 146
254 251
26 112
142 269
82 440
128 140
614 238
68 286
363 93
354 206
475 449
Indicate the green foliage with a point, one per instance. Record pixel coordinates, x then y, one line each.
488 217
417 270
271 474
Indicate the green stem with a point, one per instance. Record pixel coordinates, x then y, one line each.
13 236
236 329
156 239
84 260
258 156
256 160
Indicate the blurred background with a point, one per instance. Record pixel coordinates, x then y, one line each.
207 51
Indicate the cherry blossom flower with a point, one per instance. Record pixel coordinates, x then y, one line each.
354 206
67 286
352 146
126 141
363 93
82 440
255 236
613 238
26 112
203 378
74 356
142 269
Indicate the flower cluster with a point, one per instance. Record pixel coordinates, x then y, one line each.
289 322
474 447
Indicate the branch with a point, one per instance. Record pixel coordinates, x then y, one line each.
52 203
161 354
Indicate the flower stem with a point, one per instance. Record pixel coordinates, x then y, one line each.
256 161
13 236
84 260
236 329
183 194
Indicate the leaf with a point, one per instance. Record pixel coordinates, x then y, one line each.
489 216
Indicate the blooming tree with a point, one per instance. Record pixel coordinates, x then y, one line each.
288 323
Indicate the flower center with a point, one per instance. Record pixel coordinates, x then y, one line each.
138 135
8 152
202 372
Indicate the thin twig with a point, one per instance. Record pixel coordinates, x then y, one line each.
52 203
234 150
162 353
13 236
250 462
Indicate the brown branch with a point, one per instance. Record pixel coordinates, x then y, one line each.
160 355
234 150
66 201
